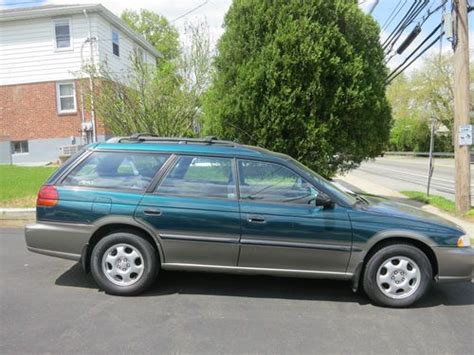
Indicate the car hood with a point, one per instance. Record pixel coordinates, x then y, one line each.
395 209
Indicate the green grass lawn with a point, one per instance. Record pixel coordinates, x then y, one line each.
19 185
437 201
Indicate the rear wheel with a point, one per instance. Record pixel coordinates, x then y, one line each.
124 264
397 275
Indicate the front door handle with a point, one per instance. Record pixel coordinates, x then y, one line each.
255 218
152 211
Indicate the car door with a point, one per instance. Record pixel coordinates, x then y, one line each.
195 211
282 227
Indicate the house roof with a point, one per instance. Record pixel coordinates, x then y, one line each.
25 13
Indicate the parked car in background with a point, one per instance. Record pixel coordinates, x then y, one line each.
129 208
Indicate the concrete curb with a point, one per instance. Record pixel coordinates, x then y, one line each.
17 213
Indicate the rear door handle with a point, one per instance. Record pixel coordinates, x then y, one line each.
255 218
152 211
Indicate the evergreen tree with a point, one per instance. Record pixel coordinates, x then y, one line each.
306 78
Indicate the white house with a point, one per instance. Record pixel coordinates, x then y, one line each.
42 51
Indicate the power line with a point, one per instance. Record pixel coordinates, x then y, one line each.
409 17
430 12
392 75
416 49
409 39
392 15
389 80
401 22
190 11
415 31
397 28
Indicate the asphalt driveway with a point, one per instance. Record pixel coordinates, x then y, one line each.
48 305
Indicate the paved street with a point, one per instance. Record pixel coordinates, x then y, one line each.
49 306
410 174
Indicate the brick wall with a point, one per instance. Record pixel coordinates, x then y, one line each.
28 111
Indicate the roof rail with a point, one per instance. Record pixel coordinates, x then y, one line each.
145 137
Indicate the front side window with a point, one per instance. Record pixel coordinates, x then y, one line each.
62 31
268 182
115 43
20 147
206 177
120 170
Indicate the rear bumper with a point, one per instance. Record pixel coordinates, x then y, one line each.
63 240
454 264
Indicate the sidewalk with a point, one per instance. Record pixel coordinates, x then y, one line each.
375 189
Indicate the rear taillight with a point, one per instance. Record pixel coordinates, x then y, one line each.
47 196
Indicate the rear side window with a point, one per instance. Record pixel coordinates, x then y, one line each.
120 170
200 177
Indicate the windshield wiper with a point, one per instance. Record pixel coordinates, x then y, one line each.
360 198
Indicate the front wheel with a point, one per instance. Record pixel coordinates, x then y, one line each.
124 264
397 275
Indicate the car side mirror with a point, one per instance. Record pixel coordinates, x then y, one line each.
323 200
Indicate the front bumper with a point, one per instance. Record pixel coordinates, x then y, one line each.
454 264
63 240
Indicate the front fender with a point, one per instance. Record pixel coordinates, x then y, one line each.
361 247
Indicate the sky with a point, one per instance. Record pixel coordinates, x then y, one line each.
213 12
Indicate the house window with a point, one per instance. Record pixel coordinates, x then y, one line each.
66 97
62 30
115 43
20 147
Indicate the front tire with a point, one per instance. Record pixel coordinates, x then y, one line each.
124 264
397 275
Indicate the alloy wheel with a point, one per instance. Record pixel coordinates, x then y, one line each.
398 277
123 264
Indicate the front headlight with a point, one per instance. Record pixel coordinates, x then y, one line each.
464 241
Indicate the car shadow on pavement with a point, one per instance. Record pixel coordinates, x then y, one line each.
201 283
76 277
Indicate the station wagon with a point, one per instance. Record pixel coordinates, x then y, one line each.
133 206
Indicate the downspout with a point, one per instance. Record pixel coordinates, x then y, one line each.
81 90
91 78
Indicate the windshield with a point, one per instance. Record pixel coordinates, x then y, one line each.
331 187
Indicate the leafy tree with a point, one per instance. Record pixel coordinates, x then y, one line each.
161 102
410 134
418 97
156 29
306 78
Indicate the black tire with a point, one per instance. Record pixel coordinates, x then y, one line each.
150 263
380 257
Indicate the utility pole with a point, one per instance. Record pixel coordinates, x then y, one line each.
461 106
431 162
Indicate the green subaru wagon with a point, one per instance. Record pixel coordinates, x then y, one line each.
132 206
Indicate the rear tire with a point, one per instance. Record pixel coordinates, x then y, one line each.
124 264
397 275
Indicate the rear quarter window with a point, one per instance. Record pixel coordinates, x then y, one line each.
117 170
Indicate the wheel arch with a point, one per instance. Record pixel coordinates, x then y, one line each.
107 227
417 242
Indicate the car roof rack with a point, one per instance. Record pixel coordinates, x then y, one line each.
146 137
